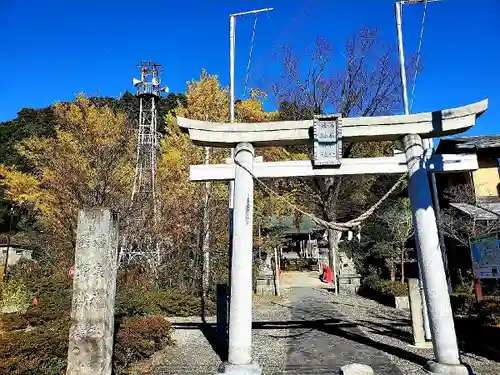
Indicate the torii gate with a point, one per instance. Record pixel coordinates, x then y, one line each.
326 133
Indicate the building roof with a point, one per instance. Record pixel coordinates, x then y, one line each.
470 143
287 225
484 211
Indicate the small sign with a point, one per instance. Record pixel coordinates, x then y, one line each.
485 252
327 140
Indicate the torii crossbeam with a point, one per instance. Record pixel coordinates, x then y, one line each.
326 134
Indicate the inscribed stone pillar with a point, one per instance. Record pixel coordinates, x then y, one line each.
417 319
92 314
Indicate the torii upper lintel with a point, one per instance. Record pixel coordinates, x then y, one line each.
281 133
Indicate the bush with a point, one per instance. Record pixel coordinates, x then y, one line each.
44 349
383 291
138 338
14 321
53 305
54 292
28 272
40 351
462 299
462 303
299 265
14 297
395 289
141 302
488 312
176 303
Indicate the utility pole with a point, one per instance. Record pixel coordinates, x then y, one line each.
426 143
232 50
444 339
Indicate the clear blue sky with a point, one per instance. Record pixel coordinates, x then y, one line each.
54 49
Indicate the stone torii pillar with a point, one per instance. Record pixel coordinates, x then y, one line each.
435 284
240 317
329 132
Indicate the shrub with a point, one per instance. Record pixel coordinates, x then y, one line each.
54 304
14 321
54 292
176 303
299 265
382 291
395 289
488 311
44 349
39 351
141 302
462 303
462 299
28 272
136 302
15 296
138 338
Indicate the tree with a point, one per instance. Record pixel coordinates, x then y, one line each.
206 100
87 163
394 230
365 83
460 226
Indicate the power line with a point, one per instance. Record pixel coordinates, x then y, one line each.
288 30
417 61
250 54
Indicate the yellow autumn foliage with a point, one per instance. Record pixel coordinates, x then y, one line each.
88 163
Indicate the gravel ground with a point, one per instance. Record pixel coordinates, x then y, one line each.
269 334
283 345
391 329
194 353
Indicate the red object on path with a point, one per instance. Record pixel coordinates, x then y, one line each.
72 272
479 290
327 276
35 301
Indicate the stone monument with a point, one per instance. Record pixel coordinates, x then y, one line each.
90 348
265 276
349 279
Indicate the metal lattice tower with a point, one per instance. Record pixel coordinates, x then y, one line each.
148 92
143 200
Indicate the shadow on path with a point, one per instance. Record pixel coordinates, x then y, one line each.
482 340
327 343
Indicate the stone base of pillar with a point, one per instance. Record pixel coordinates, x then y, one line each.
250 369
437 368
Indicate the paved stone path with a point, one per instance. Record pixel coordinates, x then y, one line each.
320 340
300 333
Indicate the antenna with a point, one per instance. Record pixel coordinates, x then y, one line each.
143 205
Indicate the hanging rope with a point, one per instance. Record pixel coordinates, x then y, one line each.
328 225
250 55
418 56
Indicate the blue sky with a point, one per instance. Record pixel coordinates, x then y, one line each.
54 49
